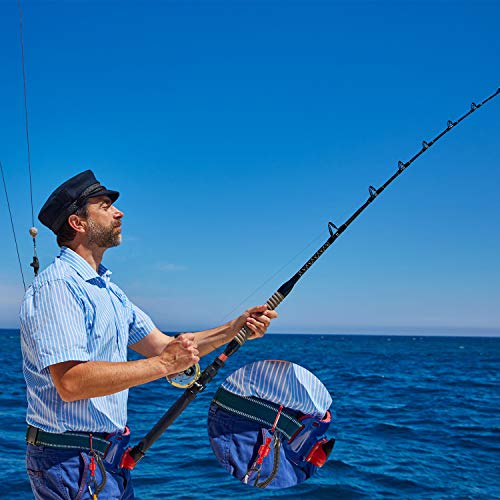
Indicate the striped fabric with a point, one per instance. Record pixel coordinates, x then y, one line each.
283 383
70 312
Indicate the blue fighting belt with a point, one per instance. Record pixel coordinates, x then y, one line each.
305 434
305 446
118 444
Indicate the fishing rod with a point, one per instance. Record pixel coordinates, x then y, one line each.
133 455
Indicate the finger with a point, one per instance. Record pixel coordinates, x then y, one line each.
261 321
186 336
194 351
257 327
186 342
271 314
266 314
257 309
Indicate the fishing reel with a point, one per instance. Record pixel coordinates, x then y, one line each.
185 379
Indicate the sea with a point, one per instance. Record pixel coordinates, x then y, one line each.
415 417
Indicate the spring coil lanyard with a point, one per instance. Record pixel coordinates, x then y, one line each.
264 451
94 487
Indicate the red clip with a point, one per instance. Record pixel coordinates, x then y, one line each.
264 450
92 465
273 428
320 452
127 462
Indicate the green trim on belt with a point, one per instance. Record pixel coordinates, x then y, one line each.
258 410
68 440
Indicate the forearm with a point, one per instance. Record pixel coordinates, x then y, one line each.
209 340
83 380
257 319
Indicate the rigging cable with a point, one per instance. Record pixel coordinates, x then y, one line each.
35 264
12 225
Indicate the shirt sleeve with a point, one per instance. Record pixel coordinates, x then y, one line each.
54 322
140 326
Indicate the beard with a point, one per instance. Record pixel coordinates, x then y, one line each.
103 236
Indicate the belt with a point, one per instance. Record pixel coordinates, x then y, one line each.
68 440
258 410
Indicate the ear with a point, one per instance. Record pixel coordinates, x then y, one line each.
77 223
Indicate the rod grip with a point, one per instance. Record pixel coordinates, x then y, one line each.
242 336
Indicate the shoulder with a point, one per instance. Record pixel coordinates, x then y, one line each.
58 275
118 292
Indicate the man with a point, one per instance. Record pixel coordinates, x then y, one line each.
76 326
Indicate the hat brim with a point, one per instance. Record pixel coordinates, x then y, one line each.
113 195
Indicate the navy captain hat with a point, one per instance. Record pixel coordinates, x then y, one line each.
69 197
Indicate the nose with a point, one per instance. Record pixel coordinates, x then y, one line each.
118 213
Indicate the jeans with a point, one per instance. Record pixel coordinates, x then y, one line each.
236 441
57 473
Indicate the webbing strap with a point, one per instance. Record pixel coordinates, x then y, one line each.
67 440
258 410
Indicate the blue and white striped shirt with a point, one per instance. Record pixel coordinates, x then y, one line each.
70 312
283 383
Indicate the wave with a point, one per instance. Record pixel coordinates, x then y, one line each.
393 429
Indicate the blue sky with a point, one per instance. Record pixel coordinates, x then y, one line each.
236 130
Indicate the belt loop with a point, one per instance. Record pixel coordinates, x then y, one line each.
32 434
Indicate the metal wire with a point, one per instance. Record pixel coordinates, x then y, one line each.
26 110
12 225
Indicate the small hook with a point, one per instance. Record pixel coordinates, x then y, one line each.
451 124
35 265
473 106
401 166
425 144
373 192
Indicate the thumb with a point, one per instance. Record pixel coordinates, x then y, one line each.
257 309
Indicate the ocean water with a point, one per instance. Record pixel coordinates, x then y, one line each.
415 417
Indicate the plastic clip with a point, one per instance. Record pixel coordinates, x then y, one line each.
425 144
401 166
473 106
331 227
373 192
451 124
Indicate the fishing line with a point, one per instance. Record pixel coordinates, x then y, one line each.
35 264
133 455
12 225
310 244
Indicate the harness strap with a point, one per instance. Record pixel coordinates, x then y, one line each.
68 440
258 410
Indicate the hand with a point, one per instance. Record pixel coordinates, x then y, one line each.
256 318
180 354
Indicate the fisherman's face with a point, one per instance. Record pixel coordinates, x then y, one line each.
103 222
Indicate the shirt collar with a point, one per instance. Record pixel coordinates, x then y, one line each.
82 267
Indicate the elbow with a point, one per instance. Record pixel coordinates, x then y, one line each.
68 380
69 390
67 397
